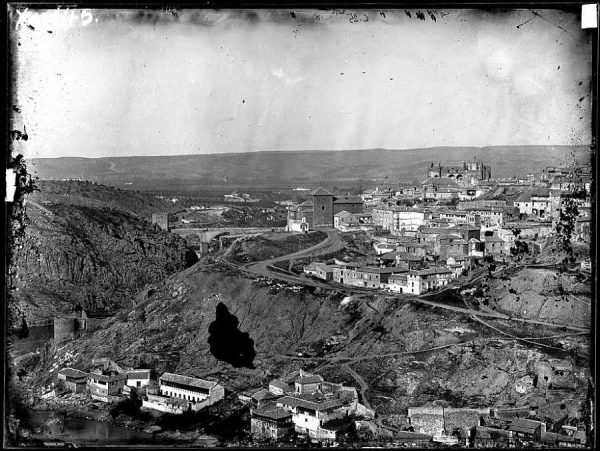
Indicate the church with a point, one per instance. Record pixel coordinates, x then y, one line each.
466 174
319 209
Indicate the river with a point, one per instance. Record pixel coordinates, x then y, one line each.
53 426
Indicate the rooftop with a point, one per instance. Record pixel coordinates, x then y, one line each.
320 192
187 380
310 402
271 411
72 372
313 379
430 271
377 270
522 425
348 200
263 394
139 374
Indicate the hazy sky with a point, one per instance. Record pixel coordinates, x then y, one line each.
117 83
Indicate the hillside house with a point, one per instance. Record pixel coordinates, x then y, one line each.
366 276
430 234
494 245
466 231
262 397
415 248
527 430
308 384
459 264
524 204
106 387
401 260
270 422
425 280
138 378
319 270
451 245
427 420
312 414
74 380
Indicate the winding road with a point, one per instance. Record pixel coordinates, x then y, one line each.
334 242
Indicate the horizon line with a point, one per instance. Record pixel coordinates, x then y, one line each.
318 150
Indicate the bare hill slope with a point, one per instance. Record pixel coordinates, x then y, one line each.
295 167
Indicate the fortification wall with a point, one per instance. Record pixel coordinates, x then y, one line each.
65 327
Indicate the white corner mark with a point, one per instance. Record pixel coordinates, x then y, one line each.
589 16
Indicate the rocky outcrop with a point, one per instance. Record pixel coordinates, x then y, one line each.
96 258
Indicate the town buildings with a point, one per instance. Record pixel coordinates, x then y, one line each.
319 209
468 173
315 408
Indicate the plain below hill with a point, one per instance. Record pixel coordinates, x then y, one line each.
289 168
95 195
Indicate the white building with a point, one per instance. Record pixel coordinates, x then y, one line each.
421 281
180 393
138 378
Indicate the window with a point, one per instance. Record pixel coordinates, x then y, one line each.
323 207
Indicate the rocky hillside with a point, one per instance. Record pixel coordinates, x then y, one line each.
396 352
96 258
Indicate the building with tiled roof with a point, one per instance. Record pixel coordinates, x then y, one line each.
527 429
104 387
138 378
74 380
270 422
420 281
197 392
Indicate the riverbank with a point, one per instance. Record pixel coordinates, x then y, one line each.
75 427
96 416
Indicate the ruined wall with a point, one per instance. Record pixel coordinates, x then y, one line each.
65 327
161 219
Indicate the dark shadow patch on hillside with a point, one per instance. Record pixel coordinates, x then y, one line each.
227 342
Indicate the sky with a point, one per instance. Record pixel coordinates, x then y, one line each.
97 83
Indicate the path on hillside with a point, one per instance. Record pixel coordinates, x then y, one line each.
333 243
362 384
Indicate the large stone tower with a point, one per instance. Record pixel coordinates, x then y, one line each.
322 207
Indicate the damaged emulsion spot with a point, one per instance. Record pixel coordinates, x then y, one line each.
227 342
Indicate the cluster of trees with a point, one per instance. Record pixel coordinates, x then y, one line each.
520 246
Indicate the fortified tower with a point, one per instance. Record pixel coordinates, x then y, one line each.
322 201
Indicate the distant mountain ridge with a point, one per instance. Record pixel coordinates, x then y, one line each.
297 167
